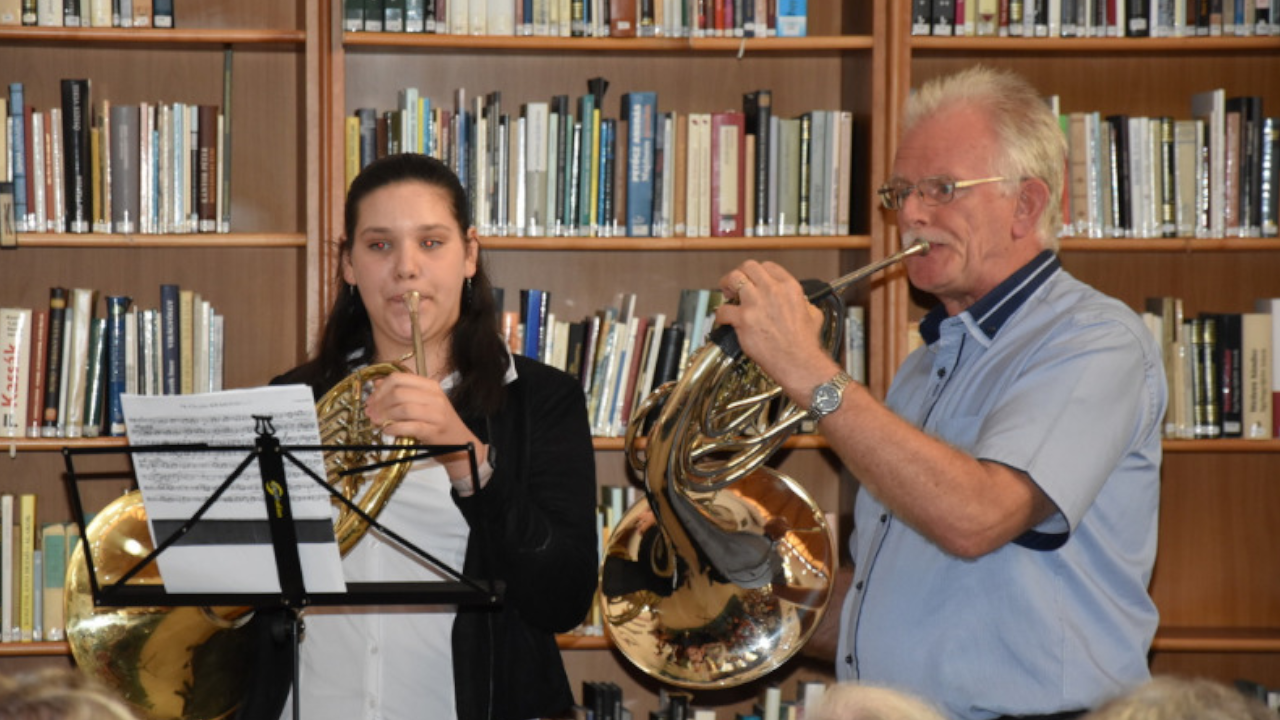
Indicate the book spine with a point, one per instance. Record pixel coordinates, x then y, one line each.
94 385
169 352
51 415
8 569
26 568
117 307
39 354
641 111
162 14
53 542
75 156
18 153
15 364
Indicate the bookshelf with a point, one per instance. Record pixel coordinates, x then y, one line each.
1212 582
840 65
260 274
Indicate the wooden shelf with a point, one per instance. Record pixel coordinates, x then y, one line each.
151 36
34 649
1092 46
1244 640
1189 245
795 442
676 244
176 240
471 43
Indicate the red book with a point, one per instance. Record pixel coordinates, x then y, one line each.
728 178
39 353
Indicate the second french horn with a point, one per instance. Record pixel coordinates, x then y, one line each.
723 572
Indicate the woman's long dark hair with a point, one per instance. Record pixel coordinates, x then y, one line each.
477 351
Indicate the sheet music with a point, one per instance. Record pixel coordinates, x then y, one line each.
230 549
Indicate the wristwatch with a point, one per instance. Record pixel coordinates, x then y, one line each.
827 396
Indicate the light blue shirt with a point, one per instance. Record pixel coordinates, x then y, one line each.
1053 378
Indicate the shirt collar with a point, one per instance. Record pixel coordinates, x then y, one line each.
986 316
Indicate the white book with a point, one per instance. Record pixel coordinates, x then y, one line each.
217 351
537 152
1210 106
501 17
478 17
15 369
8 568
146 168
55 172
49 14
622 388
1257 355
200 343
855 343
131 351
37 208
645 384
80 313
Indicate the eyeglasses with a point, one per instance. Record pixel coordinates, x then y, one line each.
938 190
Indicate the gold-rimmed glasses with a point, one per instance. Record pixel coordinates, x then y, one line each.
938 190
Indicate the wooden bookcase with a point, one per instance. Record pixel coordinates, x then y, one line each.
1218 597
841 65
260 275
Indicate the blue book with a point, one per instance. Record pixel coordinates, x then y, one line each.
641 110
18 153
169 358
793 18
605 216
117 306
586 201
533 307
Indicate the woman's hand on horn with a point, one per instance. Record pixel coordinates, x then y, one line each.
408 405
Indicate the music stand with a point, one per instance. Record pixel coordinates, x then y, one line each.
293 596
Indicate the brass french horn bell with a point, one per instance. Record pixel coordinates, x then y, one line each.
723 571
190 663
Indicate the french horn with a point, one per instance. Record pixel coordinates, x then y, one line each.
723 571
189 663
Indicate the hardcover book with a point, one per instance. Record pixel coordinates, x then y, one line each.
757 110
640 118
726 176
15 366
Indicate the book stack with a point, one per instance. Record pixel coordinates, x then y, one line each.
33 561
145 168
66 366
1093 18
576 18
621 357
1221 369
569 169
1212 174
90 13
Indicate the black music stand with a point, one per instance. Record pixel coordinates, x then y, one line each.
293 597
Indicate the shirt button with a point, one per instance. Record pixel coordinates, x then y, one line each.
884 518
858 586
848 659
942 372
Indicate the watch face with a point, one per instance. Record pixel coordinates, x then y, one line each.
825 398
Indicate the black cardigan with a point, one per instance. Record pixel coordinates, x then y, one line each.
538 512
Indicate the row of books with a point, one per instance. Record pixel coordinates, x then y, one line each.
101 167
621 356
65 366
552 169
581 18
1095 18
1222 368
88 13
604 701
33 561
1213 174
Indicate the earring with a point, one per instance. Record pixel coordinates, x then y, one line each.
468 294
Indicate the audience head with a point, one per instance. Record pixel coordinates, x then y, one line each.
59 695
1174 698
856 701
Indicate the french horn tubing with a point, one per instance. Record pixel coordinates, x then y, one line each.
724 569
189 663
